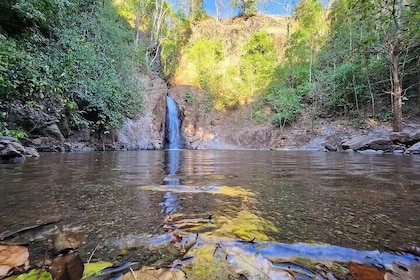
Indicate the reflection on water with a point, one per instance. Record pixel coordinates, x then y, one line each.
170 201
355 201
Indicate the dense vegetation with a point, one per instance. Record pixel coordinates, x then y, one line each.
78 60
72 59
354 59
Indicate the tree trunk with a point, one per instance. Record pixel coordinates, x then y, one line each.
397 124
396 70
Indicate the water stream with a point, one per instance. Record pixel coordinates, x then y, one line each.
363 202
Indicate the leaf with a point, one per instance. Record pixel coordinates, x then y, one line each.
12 256
34 274
95 268
153 274
67 267
67 239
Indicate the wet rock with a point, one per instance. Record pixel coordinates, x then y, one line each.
11 151
11 155
31 152
47 144
77 147
34 119
19 147
371 152
374 142
415 149
399 137
331 147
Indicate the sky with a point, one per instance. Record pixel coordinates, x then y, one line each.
273 7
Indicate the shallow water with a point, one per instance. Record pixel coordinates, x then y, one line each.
364 202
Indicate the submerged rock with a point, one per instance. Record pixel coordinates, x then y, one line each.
11 151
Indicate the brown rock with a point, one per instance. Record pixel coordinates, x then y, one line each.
366 272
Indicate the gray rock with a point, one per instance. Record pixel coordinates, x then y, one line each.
371 152
11 155
31 152
414 137
415 149
18 147
399 137
54 132
7 139
331 147
373 142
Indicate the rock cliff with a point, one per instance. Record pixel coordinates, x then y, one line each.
147 131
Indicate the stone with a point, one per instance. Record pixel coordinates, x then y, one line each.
54 132
374 142
147 131
399 137
331 147
414 137
7 139
19 147
31 152
47 144
11 155
371 152
415 149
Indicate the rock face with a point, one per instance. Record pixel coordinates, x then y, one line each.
147 131
414 149
11 151
384 141
372 142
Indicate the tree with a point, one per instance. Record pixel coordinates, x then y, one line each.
308 37
222 7
393 21
196 10
286 9
245 8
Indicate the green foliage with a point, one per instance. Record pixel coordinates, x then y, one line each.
349 88
177 32
206 55
285 103
76 60
246 8
258 60
189 97
353 67
196 11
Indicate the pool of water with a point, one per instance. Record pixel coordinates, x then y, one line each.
365 202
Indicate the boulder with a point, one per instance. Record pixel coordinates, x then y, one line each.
31 152
371 152
405 137
414 149
9 153
53 131
373 142
47 144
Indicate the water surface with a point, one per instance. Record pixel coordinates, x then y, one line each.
357 201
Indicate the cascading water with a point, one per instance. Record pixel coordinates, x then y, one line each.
170 201
173 136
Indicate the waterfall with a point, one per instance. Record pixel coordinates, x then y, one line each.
172 124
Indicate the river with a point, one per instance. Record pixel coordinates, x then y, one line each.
365 202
